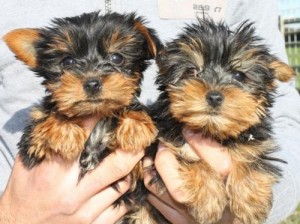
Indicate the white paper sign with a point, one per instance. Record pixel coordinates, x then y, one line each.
190 9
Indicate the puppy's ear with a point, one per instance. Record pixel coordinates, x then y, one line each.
282 71
22 43
154 45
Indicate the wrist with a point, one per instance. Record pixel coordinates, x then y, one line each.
6 216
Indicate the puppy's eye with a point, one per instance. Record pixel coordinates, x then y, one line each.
67 61
116 58
239 76
190 72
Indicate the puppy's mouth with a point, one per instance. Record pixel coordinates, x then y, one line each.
94 101
213 113
98 101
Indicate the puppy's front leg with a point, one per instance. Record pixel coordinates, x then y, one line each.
135 131
51 134
250 193
203 192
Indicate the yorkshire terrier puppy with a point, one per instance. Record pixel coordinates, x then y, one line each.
92 67
221 83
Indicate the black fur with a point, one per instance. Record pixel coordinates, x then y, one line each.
218 46
85 40
87 33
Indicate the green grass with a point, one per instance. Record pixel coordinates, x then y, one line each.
293 52
294 218
293 55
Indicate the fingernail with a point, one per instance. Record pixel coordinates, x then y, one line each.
147 161
161 147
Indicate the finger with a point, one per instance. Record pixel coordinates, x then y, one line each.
149 174
168 212
169 172
114 167
88 123
156 190
211 151
111 214
95 206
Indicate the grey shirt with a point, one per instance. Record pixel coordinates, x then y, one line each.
20 89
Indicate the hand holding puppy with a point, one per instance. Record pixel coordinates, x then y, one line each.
50 192
168 203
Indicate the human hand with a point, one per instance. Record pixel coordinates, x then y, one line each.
168 203
50 192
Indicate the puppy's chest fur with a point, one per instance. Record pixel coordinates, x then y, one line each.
51 132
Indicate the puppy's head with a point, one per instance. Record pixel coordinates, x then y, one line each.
90 63
218 81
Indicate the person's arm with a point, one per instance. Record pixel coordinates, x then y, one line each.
169 203
51 193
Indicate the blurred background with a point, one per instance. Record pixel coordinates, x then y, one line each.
289 25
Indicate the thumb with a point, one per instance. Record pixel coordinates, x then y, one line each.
88 123
209 150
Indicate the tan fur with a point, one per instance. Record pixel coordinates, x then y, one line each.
135 131
151 45
21 42
250 193
193 52
244 54
58 125
37 114
117 91
250 153
203 192
142 215
61 44
117 41
57 135
236 115
283 72
67 93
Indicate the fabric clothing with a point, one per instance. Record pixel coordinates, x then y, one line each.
20 89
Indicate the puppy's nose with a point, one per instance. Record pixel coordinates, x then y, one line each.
92 86
214 98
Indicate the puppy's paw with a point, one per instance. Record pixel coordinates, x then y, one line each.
135 131
250 193
203 192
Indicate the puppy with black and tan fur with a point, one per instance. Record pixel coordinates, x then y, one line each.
221 83
92 66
